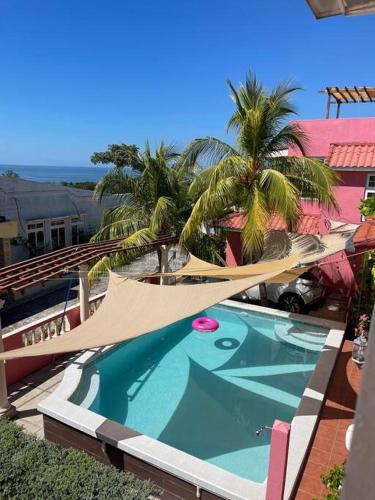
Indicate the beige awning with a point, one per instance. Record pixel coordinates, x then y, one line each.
132 308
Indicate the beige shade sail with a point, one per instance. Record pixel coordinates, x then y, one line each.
198 267
132 308
293 248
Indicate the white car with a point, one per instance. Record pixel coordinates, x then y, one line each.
292 297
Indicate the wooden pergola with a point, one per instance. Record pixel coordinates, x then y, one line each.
14 279
328 8
347 95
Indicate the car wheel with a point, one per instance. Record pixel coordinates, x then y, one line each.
291 302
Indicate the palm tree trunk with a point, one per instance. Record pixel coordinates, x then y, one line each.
263 294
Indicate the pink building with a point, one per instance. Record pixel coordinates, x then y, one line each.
348 146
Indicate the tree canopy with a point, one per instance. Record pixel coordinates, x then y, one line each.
254 176
120 155
10 173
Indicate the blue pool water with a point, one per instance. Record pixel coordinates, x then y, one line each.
207 393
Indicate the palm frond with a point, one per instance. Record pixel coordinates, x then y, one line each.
313 178
115 182
213 203
257 222
163 214
281 195
209 150
138 238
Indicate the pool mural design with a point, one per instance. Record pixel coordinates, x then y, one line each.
207 393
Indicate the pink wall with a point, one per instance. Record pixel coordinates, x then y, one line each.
16 370
337 274
349 193
323 132
233 249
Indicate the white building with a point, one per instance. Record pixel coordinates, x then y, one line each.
39 217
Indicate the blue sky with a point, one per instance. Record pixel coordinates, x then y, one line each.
77 75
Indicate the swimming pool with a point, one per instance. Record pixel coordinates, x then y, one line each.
204 395
208 393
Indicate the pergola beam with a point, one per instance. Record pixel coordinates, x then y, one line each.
368 95
17 277
359 94
347 95
350 94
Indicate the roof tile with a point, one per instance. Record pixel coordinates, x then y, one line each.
308 224
349 155
365 234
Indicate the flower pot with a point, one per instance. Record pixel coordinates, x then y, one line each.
359 350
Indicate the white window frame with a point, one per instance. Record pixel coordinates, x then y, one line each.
57 224
39 226
77 222
370 189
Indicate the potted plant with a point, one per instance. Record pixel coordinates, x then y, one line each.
361 341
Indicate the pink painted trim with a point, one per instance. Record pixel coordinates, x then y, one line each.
278 460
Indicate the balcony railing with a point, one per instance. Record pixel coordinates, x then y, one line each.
42 330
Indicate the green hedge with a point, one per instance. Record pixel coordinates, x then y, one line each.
32 468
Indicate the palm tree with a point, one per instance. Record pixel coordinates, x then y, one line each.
252 176
151 202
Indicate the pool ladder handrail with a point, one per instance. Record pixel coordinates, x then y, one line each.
263 428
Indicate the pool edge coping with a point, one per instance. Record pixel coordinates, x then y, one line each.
189 468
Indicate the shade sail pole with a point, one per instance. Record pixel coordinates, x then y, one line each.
163 263
84 305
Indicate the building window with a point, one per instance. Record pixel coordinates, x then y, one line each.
35 238
77 230
371 181
57 233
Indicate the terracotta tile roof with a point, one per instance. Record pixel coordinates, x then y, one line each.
365 234
351 154
309 223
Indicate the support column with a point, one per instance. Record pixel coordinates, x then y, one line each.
6 409
278 460
84 293
163 263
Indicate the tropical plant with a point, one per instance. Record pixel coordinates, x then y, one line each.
367 207
252 176
152 201
333 481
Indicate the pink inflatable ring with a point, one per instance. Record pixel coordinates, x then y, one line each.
205 324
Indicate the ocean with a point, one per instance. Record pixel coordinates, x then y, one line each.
41 173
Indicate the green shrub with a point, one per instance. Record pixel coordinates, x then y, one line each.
333 481
31 468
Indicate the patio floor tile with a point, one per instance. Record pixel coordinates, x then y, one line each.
328 448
